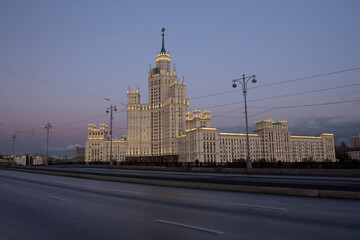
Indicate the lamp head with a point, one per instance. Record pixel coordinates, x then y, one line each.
254 80
107 110
234 85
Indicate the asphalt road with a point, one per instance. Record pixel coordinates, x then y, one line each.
36 206
306 182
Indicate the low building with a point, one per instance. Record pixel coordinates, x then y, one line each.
354 153
21 159
271 141
97 146
29 159
38 159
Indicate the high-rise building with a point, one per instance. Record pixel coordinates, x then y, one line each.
153 128
164 130
355 141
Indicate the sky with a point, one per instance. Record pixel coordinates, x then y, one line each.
61 60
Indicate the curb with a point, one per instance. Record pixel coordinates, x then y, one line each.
209 186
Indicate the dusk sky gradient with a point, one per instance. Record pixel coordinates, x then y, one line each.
59 60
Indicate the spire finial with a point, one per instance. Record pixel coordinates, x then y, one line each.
163 45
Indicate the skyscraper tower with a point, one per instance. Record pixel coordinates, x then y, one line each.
153 128
168 104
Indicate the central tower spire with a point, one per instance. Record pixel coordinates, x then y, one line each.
163 45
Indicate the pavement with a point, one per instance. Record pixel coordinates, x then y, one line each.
40 206
310 186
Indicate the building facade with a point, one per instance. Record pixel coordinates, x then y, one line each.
163 130
80 153
355 141
29 159
354 153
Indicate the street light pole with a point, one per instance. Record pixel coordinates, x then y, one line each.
243 81
111 109
47 126
13 158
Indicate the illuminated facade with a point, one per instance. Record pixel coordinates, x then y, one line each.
271 141
97 146
163 130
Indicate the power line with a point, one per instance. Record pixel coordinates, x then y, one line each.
82 120
286 95
38 130
281 82
306 105
270 109
214 94
309 77
306 92
318 104
54 84
274 108
292 106
218 115
68 130
86 119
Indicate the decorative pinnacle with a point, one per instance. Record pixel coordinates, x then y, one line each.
163 45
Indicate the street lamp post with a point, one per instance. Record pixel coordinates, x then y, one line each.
13 158
111 109
243 81
47 126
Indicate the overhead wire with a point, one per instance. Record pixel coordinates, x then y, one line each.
54 84
308 77
82 120
286 95
222 114
281 82
293 106
209 95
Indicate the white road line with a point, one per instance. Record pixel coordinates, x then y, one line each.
257 206
118 190
189 226
56 198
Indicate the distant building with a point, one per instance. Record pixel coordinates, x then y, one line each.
97 147
80 153
354 153
355 141
164 130
38 159
271 141
29 159
21 159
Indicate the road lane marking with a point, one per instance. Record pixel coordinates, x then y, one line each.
118 190
257 206
190 226
56 198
